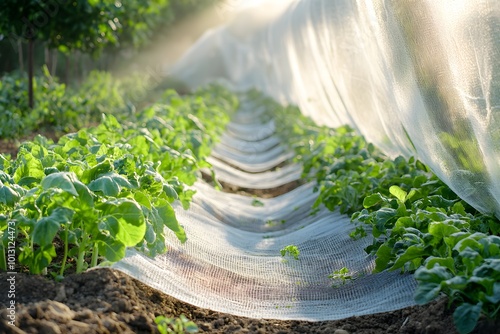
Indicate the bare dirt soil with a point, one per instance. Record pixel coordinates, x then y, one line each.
108 301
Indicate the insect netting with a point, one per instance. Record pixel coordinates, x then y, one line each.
414 77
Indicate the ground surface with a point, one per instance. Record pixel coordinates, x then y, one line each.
108 301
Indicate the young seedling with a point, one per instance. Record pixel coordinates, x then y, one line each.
291 250
179 325
340 277
256 202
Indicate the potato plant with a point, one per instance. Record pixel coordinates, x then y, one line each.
104 189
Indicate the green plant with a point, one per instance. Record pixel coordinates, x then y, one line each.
103 189
256 202
341 275
179 325
290 250
66 109
469 274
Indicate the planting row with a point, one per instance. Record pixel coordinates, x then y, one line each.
100 190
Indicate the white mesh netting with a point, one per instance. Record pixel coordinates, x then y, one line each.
232 263
414 77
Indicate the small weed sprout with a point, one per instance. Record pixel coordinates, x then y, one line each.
256 202
179 325
340 277
291 250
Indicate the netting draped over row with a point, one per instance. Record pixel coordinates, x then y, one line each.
414 77
232 262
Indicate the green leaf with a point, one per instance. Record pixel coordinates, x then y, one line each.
112 249
383 216
85 198
47 227
447 262
125 220
442 229
384 256
495 297
150 235
426 292
372 200
167 214
436 274
471 259
143 198
257 203
399 193
8 196
170 191
29 167
412 253
96 171
106 185
455 283
468 242
61 180
45 231
466 317
458 207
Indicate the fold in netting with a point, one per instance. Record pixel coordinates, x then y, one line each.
231 261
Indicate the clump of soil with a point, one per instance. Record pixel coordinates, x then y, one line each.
262 193
109 301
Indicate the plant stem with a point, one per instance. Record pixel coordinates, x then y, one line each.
81 257
3 260
81 253
95 253
31 51
65 257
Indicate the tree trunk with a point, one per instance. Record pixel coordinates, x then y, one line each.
31 49
47 58
75 67
55 55
20 54
66 71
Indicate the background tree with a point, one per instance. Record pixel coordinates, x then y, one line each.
23 21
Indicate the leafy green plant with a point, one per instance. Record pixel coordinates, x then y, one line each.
64 109
341 275
178 325
290 250
103 189
256 202
469 275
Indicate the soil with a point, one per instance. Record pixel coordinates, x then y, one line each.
262 193
108 301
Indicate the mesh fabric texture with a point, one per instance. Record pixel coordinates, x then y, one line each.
414 77
231 261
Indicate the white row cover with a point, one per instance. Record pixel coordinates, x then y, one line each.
414 77
231 261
